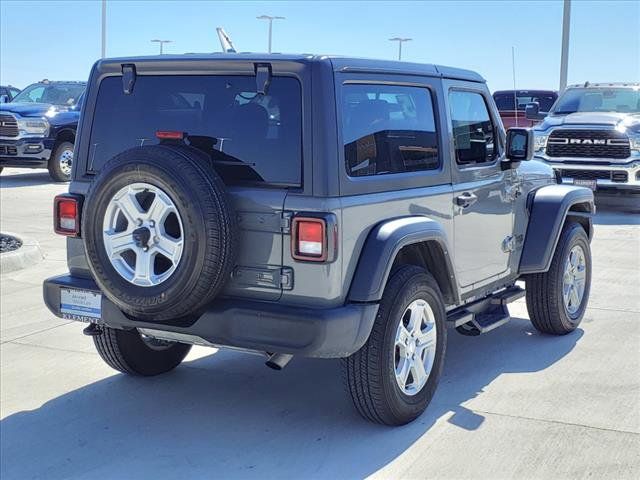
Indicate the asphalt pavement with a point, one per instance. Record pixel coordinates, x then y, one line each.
511 404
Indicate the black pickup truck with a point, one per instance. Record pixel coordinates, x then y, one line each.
38 127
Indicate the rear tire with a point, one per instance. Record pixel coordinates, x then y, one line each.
370 373
549 311
61 161
127 352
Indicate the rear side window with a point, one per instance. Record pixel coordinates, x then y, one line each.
474 134
249 137
388 129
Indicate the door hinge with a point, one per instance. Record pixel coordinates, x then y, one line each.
285 222
509 244
286 278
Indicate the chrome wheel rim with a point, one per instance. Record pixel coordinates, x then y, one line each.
574 279
66 161
415 347
143 234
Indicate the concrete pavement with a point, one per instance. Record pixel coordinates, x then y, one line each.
511 404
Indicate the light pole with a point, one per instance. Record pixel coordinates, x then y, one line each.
161 42
104 29
564 57
271 19
400 42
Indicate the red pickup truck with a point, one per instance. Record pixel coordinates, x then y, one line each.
511 105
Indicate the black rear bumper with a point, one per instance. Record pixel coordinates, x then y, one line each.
330 333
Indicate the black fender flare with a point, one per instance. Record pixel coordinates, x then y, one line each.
381 247
549 206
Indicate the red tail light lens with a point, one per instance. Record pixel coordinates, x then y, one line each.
309 239
169 135
66 215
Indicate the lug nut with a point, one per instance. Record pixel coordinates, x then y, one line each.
155 239
152 223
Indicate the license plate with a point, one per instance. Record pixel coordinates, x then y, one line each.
585 183
80 305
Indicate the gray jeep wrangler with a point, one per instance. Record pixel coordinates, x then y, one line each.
312 206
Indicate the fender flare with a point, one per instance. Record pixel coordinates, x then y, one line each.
548 208
381 247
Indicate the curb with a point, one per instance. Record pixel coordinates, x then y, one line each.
27 255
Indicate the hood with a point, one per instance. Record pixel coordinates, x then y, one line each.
589 118
29 109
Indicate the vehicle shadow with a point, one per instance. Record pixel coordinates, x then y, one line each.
226 416
25 179
616 215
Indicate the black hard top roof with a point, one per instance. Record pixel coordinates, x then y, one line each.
345 64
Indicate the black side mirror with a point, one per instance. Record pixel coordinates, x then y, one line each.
519 144
532 112
4 98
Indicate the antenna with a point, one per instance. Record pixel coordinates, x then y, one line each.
515 92
225 41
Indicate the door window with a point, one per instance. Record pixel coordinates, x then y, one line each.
474 133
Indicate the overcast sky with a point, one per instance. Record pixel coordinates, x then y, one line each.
60 40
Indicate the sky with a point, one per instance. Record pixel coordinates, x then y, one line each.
60 40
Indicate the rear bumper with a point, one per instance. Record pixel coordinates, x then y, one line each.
330 333
25 152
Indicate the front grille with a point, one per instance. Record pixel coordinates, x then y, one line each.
587 174
8 126
588 143
8 150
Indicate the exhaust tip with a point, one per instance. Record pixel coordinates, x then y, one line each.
278 361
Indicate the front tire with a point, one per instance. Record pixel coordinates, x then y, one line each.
128 352
393 377
557 299
61 161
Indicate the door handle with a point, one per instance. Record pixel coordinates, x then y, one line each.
466 199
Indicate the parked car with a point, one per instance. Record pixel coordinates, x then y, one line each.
511 105
38 127
7 93
297 205
591 136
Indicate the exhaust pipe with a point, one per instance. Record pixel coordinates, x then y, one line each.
278 361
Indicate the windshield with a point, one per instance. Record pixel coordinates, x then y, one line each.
506 100
54 93
621 100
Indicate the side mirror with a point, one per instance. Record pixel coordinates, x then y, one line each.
519 144
4 98
532 112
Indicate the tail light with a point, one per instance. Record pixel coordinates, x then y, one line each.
66 215
309 239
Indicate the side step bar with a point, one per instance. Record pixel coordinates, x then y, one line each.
486 314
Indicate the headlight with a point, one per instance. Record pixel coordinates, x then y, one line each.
540 142
634 142
33 127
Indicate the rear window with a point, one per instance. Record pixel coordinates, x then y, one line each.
507 100
388 129
249 137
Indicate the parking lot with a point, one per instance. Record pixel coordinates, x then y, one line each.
511 404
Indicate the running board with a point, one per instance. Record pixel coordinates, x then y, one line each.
486 314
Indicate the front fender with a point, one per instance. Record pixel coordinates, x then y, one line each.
380 250
549 207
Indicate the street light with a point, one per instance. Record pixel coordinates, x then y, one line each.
271 19
400 42
161 42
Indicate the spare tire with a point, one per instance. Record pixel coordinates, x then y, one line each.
158 232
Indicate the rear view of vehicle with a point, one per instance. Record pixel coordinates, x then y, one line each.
592 137
512 104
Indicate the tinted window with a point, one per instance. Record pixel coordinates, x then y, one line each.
388 129
507 100
249 137
473 131
623 100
